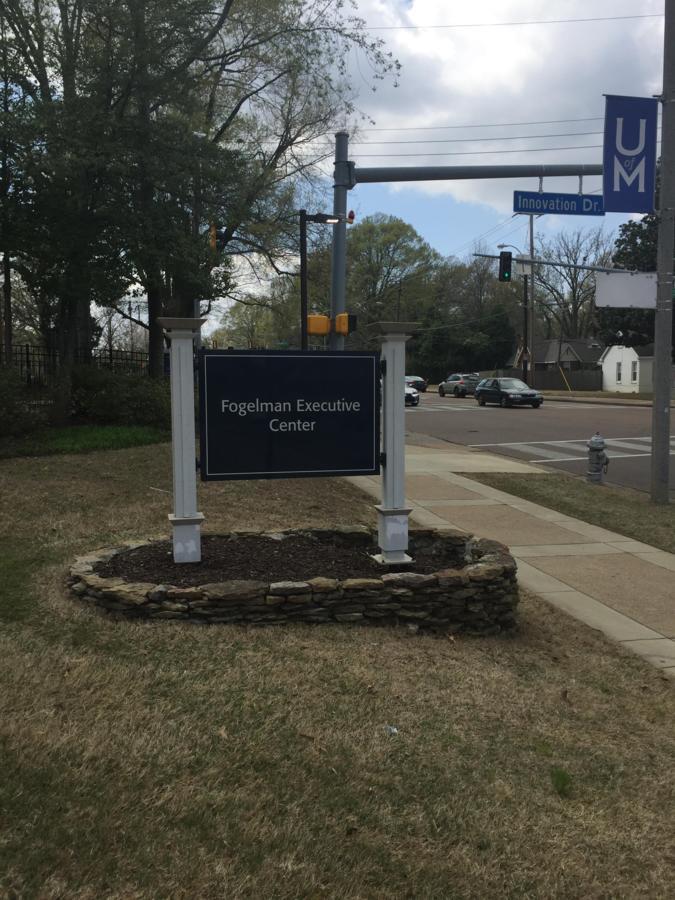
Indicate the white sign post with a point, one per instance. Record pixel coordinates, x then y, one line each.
392 513
185 520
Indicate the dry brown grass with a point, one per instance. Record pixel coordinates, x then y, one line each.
145 760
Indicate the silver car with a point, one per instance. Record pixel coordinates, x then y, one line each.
459 385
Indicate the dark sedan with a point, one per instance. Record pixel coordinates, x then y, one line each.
417 382
507 392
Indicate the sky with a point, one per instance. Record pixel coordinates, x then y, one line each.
478 89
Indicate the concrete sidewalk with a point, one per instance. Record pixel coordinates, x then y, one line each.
622 587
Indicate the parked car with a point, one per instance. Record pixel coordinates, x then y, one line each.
412 398
417 382
459 385
507 392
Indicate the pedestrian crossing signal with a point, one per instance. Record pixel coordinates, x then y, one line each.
505 263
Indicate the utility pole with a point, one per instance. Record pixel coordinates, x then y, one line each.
303 279
525 318
532 309
663 323
341 185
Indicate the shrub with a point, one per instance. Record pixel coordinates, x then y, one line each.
20 411
105 398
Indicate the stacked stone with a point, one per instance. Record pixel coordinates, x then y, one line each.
479 596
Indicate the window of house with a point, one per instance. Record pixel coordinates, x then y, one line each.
618 373
633 371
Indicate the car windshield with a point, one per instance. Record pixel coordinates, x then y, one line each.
470 377
513 384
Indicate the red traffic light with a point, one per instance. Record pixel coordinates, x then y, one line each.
350 217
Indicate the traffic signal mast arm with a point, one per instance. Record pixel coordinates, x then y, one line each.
528 261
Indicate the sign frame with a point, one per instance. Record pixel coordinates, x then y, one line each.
371 359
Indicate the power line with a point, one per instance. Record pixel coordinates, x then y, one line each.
515 137
482 125
481 152
509 24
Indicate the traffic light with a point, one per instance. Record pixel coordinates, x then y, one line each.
318 324
345 323
350 217
505 263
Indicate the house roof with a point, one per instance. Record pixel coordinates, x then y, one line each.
644 352
586 350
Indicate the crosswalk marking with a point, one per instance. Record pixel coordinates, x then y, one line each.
575 450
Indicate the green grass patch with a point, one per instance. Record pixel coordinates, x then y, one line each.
623 510
81 439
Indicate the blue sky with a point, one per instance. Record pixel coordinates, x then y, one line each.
496 82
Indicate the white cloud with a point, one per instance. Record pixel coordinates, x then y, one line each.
491 75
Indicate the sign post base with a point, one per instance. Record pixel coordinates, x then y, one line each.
392 536
186 538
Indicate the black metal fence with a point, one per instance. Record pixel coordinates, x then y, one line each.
39 367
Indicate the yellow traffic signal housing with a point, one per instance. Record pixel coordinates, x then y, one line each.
345 323
318 324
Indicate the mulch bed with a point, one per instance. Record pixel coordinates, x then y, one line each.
261 558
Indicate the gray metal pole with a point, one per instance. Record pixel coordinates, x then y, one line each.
533 367
663 322
356 175
341 184
525 311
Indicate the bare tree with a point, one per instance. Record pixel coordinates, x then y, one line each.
566 294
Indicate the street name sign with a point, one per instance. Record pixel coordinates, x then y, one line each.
537 203
285 414
629 154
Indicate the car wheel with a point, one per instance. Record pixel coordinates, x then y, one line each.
480 401
456 392
441 392
536 404
504 403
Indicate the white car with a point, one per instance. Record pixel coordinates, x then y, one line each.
412 397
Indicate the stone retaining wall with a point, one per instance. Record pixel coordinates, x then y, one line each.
478 594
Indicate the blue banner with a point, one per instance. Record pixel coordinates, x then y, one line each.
536 203
629 154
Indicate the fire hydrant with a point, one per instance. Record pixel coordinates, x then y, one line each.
598 461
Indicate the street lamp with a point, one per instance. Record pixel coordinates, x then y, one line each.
321 219
525 313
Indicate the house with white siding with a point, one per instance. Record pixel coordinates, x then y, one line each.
628 370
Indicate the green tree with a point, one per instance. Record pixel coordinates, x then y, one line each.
153 120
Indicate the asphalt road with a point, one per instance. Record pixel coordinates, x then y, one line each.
554 435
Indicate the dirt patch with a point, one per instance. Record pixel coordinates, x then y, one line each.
268 558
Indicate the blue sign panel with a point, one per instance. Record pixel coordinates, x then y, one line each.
534 202
282 414
629 154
